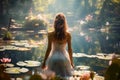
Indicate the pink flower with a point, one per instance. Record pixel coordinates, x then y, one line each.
5 60
85 76
88 39
88 17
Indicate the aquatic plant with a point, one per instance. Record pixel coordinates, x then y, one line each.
113 71
35 23
7 35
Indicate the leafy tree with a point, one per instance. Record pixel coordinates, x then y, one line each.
41 5
110 11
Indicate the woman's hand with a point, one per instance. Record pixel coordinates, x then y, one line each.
43 66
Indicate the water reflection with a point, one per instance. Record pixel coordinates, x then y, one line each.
93 40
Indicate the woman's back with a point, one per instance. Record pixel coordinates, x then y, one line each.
58 60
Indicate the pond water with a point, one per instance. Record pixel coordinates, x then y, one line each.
97 65
89 42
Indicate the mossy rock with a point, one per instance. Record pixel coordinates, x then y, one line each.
113 71
35 24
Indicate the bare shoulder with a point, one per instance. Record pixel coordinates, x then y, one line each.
50 34
68 35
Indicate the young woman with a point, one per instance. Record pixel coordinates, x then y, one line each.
57 58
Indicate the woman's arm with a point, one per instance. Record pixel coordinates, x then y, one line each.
48 51
70 49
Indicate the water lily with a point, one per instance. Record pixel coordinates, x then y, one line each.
5 60
88 17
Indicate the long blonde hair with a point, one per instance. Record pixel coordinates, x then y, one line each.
60 26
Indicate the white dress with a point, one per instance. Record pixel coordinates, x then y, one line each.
58 60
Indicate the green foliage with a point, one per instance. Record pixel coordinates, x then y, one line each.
85 7
7 36
35 77
35 24
113 71
41 5
38 77
57 78
116 1
110 10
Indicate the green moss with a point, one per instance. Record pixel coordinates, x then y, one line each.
57 78
35 77
35 24
113 71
